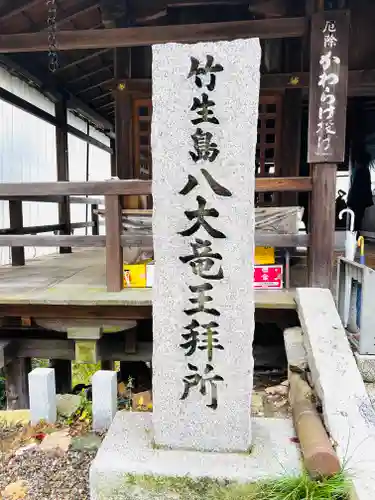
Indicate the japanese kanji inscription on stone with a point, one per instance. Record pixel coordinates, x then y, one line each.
328 87
204 130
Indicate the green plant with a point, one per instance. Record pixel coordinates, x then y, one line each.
304 488
83 413
300 487
39 363
82 373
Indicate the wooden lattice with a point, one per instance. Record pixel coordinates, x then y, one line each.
142 110
267 151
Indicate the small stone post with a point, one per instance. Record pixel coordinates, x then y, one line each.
104 399
42 393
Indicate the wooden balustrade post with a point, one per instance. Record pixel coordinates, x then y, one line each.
95 220
114 257
62 159
16 222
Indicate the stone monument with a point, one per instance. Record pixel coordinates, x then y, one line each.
204 132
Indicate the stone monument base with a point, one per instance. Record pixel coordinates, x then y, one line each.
129 466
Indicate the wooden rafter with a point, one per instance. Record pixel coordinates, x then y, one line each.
81 60
80 8
90 74
15 7
52 88
112 10
107 105
133 37
101 96
95 86
20 103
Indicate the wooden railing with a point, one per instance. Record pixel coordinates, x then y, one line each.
19 237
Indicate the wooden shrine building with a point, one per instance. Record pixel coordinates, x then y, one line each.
94 57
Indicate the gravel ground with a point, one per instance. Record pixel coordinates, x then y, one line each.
49 477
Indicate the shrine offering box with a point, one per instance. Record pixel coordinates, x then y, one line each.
268 277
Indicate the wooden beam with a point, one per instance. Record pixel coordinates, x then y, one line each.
137 37
152 11
114 256
48 311
91 140
130 187
77 200
281 184
16 223
14 240
62 162
44 229
26 106
97 188
8 350
359 80
145 241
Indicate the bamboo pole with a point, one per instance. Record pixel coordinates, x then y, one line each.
319 457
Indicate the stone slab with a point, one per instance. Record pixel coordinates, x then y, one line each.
128 449
294 347
366 366
104 399
188 411
348 413
42 394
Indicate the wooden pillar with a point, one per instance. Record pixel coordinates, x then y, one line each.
16 383
322 225
327 132
63 166
114 257
124 115
63 375
16 222
124 166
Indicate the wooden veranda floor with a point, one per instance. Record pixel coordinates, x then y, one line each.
78 280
